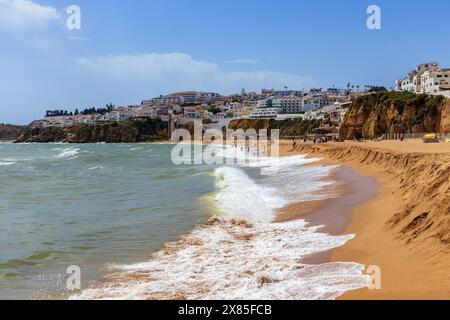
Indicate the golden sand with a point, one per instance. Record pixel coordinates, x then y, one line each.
405 229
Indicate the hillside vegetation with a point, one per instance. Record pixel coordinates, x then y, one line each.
110 132
288 128
10 132
380 113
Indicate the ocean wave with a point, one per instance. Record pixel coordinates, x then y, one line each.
67 153
7 163
251 155
239 196
286 180
33 259
243 254
237 259
96 168
197 174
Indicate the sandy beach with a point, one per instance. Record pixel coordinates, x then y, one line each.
402 226
391 196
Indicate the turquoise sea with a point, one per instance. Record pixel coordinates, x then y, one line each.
88 205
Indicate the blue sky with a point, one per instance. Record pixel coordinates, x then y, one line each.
130 50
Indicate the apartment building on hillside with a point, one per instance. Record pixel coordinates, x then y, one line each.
427 78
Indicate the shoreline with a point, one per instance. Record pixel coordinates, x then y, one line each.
366 198
333 214
409 271
249 246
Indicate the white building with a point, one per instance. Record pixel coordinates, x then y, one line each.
314 115
242 112
336 112
264 113
262 104
250 103
288 93
187 97
289 105
291 116
191 113
435 82
426 78
217 117
311 106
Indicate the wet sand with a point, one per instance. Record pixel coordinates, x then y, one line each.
350 190
410 268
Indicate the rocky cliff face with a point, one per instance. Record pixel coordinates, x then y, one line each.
114 132
445 117
374 115
288 128
10 132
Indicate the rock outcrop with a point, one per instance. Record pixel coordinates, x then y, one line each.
445 117
10 132
288 128
112 132
374 115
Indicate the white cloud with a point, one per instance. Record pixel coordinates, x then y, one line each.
162 73
20 15
243 61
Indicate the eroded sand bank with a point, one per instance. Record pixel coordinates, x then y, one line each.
405 229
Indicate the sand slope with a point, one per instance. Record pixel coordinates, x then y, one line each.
406 229
424 185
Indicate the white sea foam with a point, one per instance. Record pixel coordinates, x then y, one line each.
96 168
243 254
250 158
239 196
231 259
7 163
67 153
